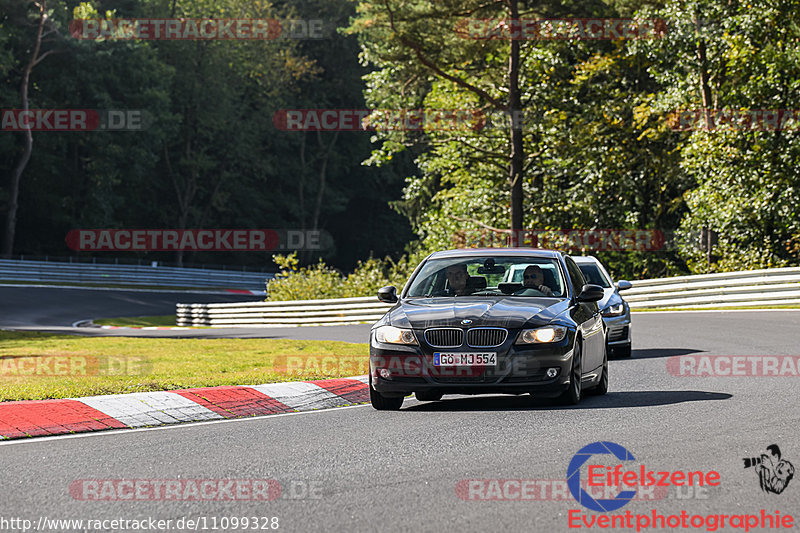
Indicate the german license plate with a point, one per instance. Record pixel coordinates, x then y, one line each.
465 359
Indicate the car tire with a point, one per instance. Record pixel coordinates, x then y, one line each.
624 351
381 402
572 396
428 396
602 385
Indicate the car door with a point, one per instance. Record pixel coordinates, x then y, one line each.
587 316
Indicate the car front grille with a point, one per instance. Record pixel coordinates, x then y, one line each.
619 334
486 337
444 337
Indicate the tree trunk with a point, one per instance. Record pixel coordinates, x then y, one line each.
705 88
16 175
301 179
322 177
517 147
13 203
323 174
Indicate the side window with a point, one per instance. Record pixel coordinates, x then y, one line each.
575 275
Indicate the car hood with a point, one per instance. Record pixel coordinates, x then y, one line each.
508 312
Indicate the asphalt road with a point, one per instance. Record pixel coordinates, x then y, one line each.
24 306
57 309
398 471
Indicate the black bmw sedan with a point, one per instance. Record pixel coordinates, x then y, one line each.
461 327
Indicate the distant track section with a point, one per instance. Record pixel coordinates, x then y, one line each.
25 306
151 276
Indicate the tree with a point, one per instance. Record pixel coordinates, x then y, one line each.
426 55
746 183
43 28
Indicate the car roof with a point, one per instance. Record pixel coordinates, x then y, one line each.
585 259
496 252
589 260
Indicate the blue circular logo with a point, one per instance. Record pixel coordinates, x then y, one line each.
574 476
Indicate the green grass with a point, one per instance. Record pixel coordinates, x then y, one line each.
137 321
72 366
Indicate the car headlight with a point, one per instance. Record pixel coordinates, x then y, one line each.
614 310
393 335
542 335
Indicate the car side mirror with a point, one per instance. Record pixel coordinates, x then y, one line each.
623 285
591 293
388 294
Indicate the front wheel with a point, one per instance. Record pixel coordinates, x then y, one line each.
572 396
602 385
381 402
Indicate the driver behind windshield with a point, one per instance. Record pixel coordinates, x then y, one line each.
533 278
457 279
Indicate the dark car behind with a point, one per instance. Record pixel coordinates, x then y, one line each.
615 310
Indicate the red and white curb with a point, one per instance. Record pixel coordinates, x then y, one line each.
245 291
144 327
87 323
142 409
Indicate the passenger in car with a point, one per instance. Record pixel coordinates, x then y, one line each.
533 278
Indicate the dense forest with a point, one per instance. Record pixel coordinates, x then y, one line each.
210 156
688 129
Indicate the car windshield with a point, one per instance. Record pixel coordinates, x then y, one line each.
594 275
489 276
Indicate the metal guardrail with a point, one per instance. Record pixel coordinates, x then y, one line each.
109 274
750 288
777 286
338 311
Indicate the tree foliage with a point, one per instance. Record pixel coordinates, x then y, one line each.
593 145
210 156
600 152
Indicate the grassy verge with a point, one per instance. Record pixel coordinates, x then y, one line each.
137 321
35 366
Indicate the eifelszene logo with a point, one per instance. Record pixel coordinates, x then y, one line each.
616 477
574 476
604 477
774 473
